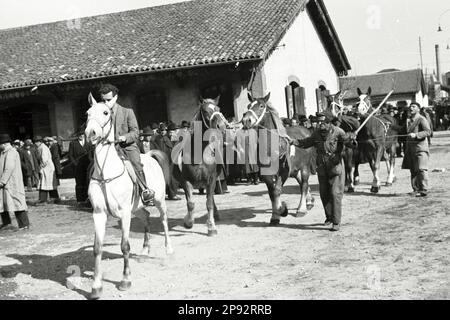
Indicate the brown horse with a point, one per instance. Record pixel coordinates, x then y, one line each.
377 139
274 157
199 167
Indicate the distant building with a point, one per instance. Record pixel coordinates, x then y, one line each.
164 58
408 86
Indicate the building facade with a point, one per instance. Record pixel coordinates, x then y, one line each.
163 59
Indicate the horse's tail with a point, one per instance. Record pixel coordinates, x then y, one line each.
163 161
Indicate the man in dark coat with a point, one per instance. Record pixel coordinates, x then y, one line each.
79 159
165 142
127 132
30 166
417 151
148 142
329 142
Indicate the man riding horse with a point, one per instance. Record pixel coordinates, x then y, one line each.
127 133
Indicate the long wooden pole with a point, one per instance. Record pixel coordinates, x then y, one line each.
373 112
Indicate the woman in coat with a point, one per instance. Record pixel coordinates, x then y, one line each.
12 191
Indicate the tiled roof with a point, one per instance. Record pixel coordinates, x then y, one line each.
172 36
408 81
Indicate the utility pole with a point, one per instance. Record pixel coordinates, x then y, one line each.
421 56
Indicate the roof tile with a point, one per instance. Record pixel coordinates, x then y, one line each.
170 36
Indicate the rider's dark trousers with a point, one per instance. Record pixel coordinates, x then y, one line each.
134 155
331 194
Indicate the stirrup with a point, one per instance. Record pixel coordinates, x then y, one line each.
148 197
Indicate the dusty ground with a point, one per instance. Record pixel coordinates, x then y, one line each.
391 246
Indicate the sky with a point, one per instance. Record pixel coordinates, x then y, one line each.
376 34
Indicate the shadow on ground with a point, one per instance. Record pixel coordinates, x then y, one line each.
56 268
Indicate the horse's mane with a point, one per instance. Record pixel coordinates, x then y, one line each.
278 124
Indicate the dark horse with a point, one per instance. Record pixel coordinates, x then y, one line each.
274 157
377 139
198 167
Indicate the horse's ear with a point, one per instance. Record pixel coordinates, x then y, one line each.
359 92
216 100
266 98
249 96
91 99
369 91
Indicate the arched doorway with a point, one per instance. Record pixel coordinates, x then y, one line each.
26 121
151 107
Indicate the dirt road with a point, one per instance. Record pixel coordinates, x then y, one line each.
391 246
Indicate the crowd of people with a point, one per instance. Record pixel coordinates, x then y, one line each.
35 165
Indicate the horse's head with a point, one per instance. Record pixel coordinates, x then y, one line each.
210 114
335 103
256 111
364 104
99 121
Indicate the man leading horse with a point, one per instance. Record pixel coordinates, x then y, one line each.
127 134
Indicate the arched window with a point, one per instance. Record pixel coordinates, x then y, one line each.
295 99
321 95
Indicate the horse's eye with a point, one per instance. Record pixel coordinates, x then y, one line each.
105 113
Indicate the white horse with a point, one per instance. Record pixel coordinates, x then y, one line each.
112 191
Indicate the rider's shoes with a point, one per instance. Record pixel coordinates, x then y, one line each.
148 197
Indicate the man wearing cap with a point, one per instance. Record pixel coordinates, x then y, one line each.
329 141
417 151
148 143
12 191
79 159
30 166
127 133
185 126
165 141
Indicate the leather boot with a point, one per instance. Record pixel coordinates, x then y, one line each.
147 195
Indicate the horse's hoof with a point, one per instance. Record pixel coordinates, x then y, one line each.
212 233
274 222
124 285
351 190
301 214
96 293
169 251
356 183
388 184
188 226
375 189
285 211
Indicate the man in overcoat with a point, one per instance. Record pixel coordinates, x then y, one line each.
48 184
165 142
12 191
127 132
329 142
417 150
79 159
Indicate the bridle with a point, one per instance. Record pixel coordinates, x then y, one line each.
104 141
366 106
253 113
213 115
